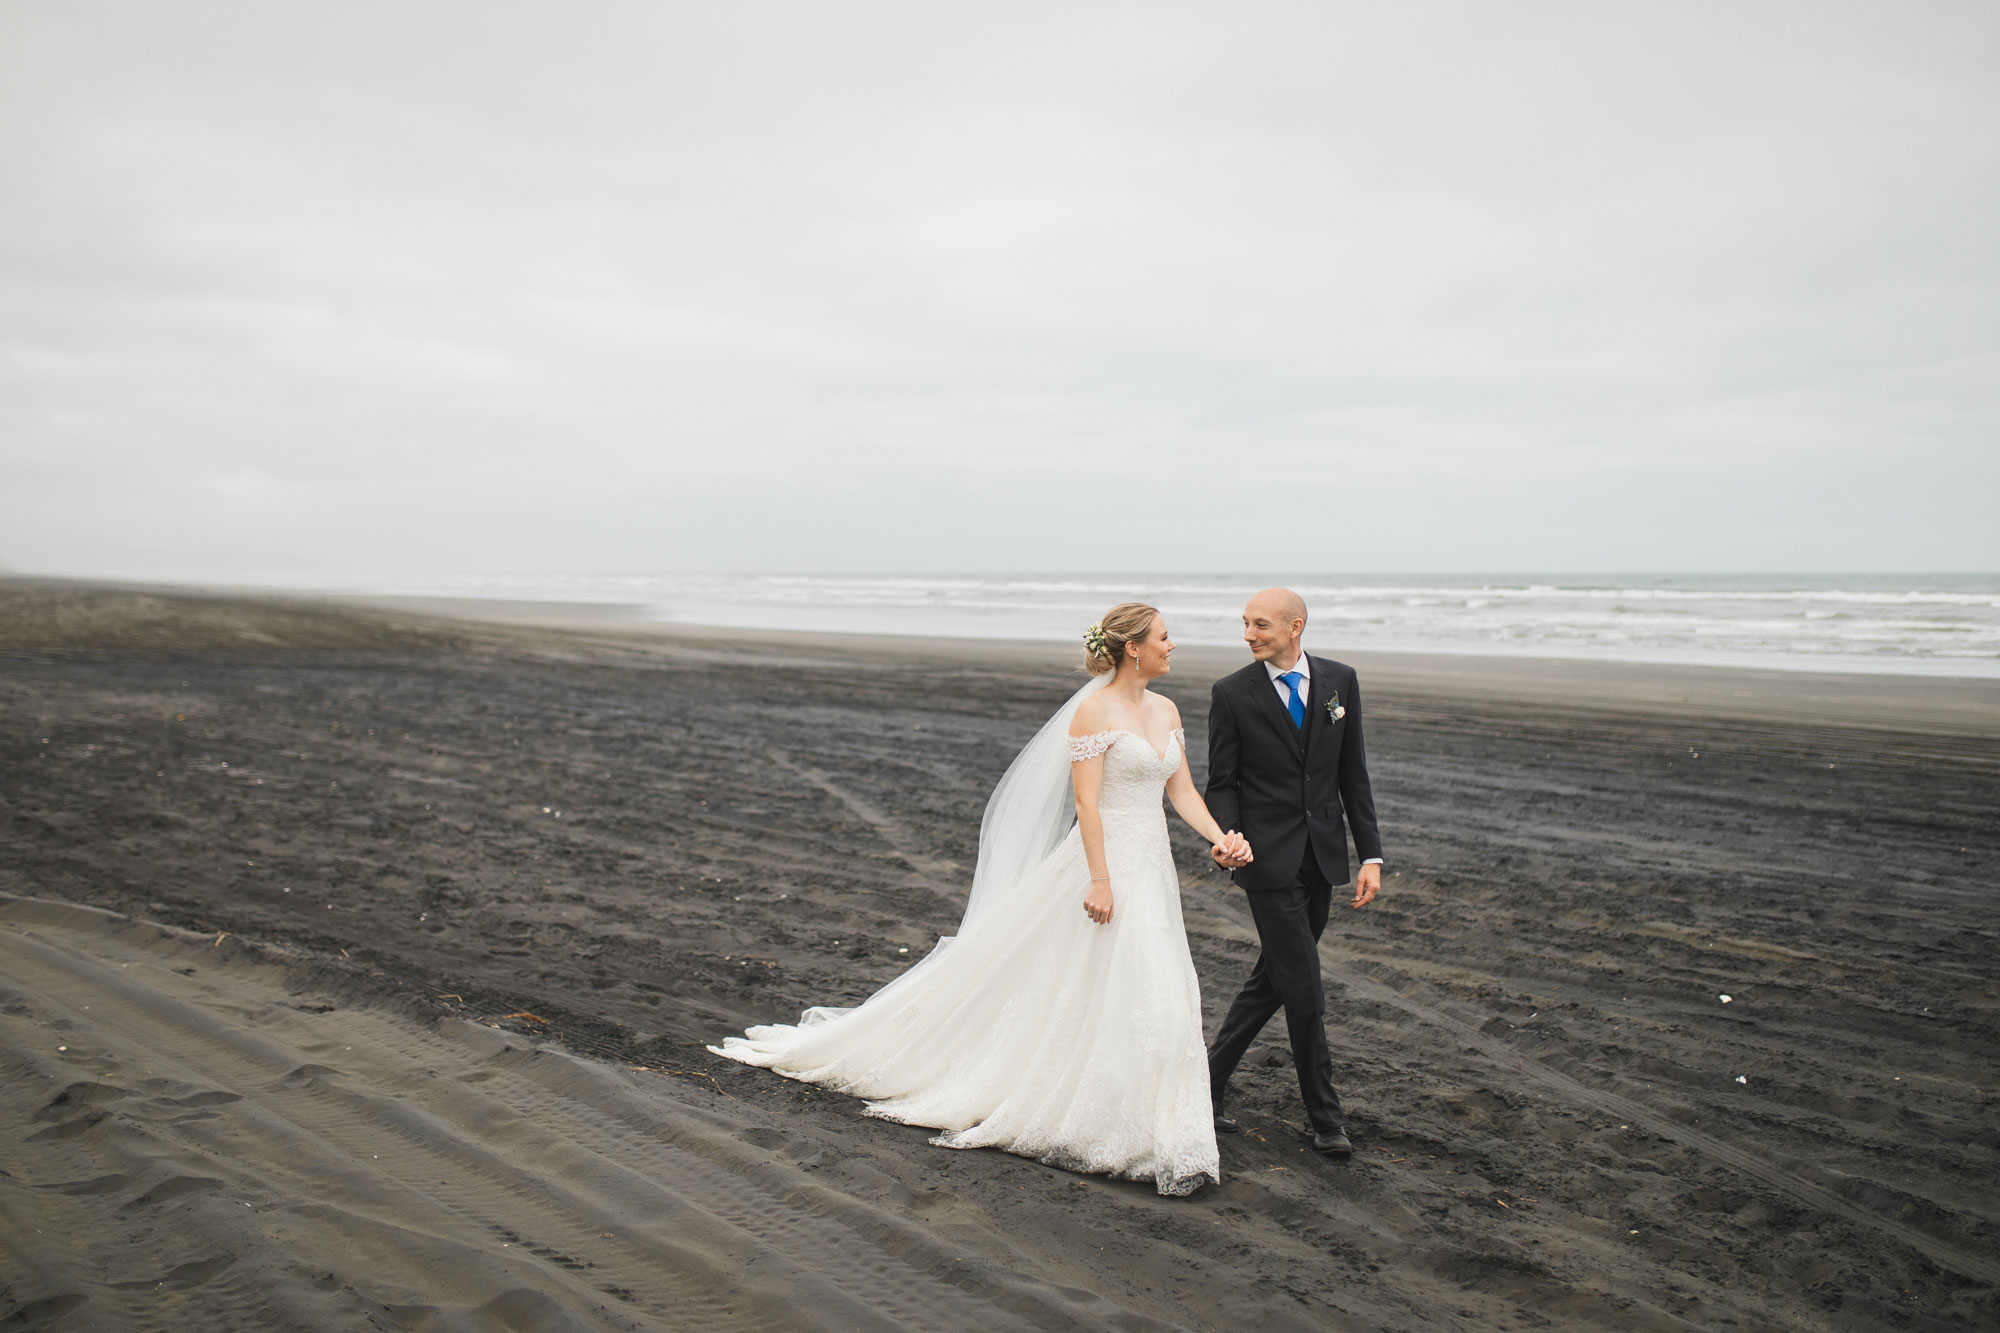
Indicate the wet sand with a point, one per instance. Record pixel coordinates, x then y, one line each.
356 962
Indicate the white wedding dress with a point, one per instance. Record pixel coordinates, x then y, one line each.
1035 1029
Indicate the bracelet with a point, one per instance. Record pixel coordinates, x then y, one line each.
1100 879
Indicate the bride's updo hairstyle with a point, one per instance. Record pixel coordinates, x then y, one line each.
1104 643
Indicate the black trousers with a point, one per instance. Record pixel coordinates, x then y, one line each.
1289 923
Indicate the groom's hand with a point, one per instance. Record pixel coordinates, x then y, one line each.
1367 884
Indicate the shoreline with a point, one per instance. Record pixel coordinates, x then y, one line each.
1962 711
638 615
1946 705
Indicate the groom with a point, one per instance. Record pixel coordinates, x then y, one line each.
1284 761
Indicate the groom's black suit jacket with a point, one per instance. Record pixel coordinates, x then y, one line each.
1285 787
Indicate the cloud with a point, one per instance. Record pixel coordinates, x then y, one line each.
671 286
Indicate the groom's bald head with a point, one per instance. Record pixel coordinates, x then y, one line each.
1273 620
1281 604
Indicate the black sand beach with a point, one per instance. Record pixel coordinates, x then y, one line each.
356 964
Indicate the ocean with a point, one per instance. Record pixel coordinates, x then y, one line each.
1924 624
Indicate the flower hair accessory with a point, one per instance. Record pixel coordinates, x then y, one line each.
1093 639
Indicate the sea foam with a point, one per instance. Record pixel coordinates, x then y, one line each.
1932 624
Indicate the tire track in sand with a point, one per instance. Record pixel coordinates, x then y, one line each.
937 871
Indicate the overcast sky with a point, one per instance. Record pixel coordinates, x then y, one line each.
327 290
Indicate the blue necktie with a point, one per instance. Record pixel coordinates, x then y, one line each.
1297 706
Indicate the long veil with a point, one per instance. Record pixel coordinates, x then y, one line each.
1028 814
1026 818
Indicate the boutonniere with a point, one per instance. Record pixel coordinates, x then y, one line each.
1333 708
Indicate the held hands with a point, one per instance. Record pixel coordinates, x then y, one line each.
1367 883
1097 903
1231 851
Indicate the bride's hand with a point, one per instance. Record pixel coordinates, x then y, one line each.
1232 851
1097 903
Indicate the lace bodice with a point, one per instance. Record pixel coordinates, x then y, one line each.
1098 742
1134 775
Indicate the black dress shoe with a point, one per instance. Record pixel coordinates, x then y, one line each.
1332 1143
1225 1125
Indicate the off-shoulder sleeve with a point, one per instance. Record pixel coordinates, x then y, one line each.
1091 746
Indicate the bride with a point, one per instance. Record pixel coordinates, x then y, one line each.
1063 1021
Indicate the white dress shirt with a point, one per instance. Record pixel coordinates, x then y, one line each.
1304 667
